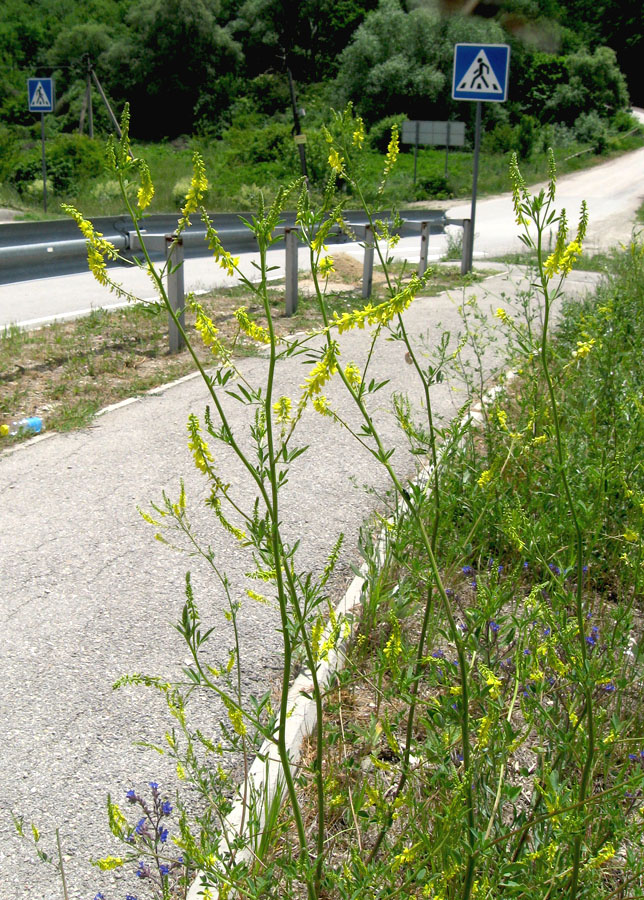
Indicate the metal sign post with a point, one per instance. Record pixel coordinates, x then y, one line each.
40 94
480 74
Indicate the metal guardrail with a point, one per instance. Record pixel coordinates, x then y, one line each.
172 249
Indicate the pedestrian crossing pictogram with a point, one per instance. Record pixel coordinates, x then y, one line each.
480 76
41 94
480 72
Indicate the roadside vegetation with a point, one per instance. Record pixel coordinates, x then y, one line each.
486 737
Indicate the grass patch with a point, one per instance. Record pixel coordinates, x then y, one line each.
237 173
67 371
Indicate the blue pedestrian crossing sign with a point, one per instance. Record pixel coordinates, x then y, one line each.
40 92
481 72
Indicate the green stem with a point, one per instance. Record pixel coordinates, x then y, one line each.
278 559
561 458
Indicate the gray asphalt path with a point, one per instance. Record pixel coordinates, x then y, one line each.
87 594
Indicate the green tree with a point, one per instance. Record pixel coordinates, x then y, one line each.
175 63
594 82
401 62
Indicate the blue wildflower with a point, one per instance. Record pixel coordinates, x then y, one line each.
633 757
467 570
546 632
609 688
99 896
526 652
163 835
140 826
164 870
554 569
154 785
494 626
590 640
166 807
131 796
526 564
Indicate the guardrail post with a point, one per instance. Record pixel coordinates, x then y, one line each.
290 266
174 261
424 247
367 266
466 258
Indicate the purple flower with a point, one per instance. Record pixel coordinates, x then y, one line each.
500 569
163 835
131 796
166 807
154 785
140 826
467 570
526 564
609 688
590 640
473 584
164 870
130 897
99 896
494 626
633 757
526 652
555 569
546 632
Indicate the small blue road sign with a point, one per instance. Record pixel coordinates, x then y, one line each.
40 92
481 72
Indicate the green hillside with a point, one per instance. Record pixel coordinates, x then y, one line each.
217 72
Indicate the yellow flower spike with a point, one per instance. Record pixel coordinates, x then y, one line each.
583 348
519 191
359 133
107 863
484 478
322 371
250 328
197 445
552 175
336 162
326 266
282 410
631 536
393 150
321 405
145 193
196 191
502 315
352 374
